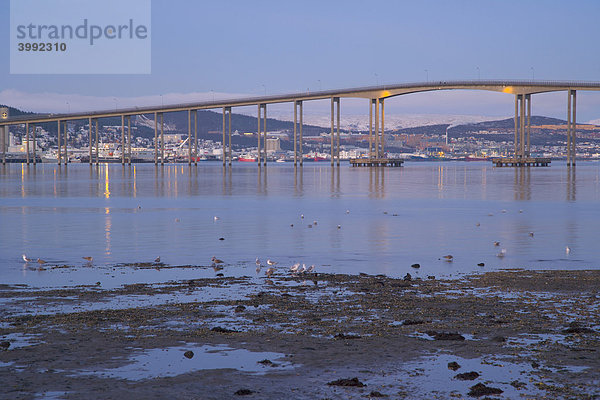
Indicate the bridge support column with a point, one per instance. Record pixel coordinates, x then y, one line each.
3 130
155 138
59 152
162 139
528 101
332 138
382 128
224 151
571 126
370 128
34 147
295 132
265 133
516 143
189 137
522 125
262 114
196 137
377 153
66 145
301 139
97 145
129 138
122 140
229 133
27 143
338 132
90 138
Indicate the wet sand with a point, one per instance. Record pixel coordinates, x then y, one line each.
531 334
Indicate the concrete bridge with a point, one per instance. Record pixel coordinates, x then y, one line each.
522 90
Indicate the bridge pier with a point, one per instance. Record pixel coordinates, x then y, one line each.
155 138
66 145
189 137
90 138
3 130
59 152
335 102
162 140
122 139
195 137
129 138
97 145
571 126
227 153
27 144
34 147
297 132
262 114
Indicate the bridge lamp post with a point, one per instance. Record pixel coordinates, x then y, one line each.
532 74
116 103
318 80
478 74
426 76
265 88
68 107
377 79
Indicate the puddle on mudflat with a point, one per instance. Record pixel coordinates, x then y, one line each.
50 395
18 340
431 375
168 362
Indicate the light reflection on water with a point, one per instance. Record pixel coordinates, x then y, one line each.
397 216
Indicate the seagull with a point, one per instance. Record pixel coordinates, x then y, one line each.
303 270
269 272
531 234
177 220
26 259
40 261
157 259
567 250
347 211
269 262
216 260
257 262
496 243
478 224
339 227
314 222
294 268
215 218
88 259
448 258
310 269
502 253
301 216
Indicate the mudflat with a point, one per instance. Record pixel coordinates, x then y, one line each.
506 334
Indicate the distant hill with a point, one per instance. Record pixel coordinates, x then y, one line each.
14 112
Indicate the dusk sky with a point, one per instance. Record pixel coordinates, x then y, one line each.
210 49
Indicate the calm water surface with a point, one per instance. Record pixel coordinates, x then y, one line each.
388 218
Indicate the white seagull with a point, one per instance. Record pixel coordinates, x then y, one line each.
269 262
294 268
26 259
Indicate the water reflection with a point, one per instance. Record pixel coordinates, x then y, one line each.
430 207
571 183
522 183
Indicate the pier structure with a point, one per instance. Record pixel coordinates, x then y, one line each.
376 95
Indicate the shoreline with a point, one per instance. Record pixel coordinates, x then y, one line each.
527 332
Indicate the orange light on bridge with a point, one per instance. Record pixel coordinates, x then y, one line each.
508 89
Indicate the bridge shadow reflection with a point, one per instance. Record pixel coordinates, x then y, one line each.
377 182
522 185
298 180
571 183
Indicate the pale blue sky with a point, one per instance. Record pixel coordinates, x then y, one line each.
289 46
